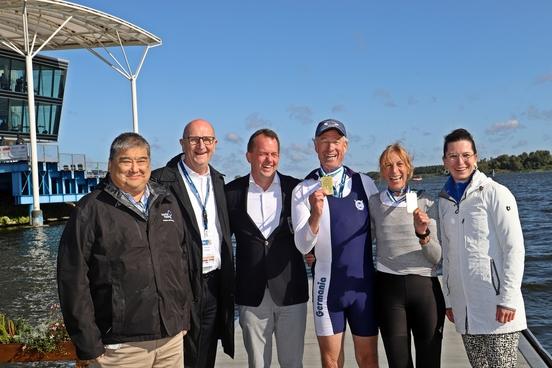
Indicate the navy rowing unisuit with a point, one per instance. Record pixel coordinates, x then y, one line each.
343 282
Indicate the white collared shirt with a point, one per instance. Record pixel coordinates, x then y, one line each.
213 229
265 206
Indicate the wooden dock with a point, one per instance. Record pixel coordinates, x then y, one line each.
453 355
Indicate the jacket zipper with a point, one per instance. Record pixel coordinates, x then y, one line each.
494 272
448 198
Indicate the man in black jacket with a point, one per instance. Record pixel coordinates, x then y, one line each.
199 189
271 280
122 268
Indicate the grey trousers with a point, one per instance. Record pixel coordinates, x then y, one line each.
287 323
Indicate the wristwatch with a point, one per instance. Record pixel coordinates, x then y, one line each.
424 235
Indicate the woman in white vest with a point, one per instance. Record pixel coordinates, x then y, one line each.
483 257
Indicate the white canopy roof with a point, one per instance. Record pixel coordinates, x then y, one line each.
29 26
87 28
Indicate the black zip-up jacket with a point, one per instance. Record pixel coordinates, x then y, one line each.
123 276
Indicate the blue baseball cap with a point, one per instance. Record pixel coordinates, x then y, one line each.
328 124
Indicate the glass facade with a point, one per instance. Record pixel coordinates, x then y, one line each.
49 85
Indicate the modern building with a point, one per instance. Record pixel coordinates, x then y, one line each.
28 27
49 76
62 177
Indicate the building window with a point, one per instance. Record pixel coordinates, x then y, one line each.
17 77
44 119
4 73
46 81
59 83
15 118
49 85
4 114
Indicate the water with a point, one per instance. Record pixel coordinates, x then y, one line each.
28 257
28 277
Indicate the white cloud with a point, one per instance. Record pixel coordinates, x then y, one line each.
298 152
230 164
233 138
255 121
301 113
504 127
384 96
533 113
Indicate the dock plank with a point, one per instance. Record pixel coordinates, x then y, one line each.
453 355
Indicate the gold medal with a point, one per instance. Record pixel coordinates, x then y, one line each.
326 183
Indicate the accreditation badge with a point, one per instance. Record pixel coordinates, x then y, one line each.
208 253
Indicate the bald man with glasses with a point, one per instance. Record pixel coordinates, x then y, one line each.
199 189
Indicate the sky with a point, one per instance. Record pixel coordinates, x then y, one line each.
391 71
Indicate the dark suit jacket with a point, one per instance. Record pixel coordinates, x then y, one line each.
171 178
275 261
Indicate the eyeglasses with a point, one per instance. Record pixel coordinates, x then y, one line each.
457 156
194 140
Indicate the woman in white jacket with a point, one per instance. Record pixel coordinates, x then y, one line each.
483 257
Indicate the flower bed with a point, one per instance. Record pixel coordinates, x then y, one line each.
21 353
22 342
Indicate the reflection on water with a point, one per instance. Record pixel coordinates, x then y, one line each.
28 277
38 365
28 271
28 259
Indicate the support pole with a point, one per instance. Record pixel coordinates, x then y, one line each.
134 104
36 212
127 73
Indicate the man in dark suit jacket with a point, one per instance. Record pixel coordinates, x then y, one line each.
199 189
271 280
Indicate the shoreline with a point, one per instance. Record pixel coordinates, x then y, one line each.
13 215
375 175
17 216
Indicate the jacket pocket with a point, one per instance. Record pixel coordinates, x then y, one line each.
494 277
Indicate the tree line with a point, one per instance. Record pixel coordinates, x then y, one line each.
538 160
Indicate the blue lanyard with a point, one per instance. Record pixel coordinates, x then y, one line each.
196 194
337 192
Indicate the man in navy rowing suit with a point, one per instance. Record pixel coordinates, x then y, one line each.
330 215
